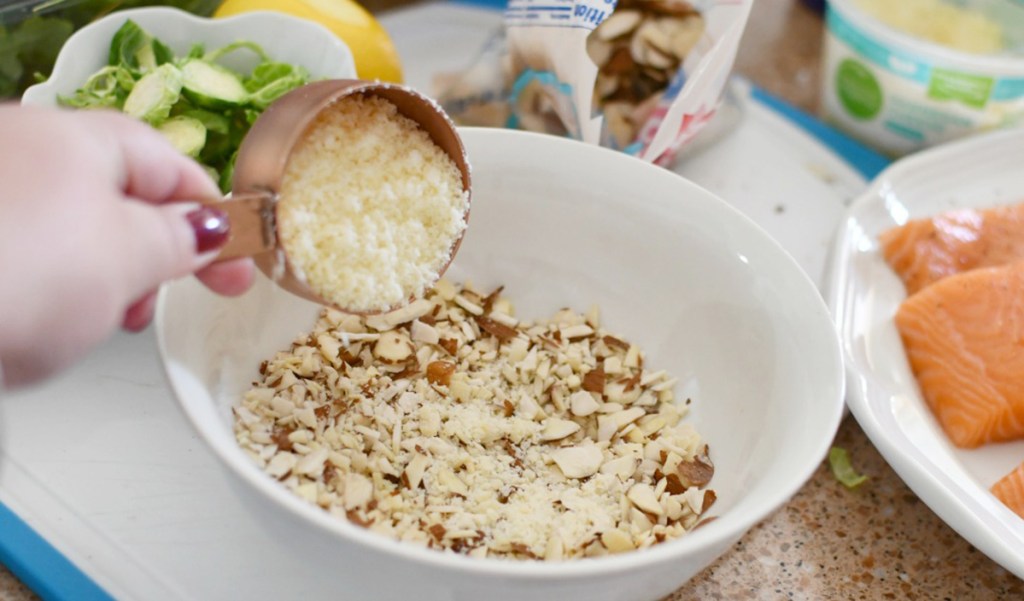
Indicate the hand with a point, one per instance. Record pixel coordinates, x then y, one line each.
89 228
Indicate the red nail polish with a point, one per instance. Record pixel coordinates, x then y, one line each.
211 226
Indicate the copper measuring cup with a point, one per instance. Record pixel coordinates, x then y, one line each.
263 158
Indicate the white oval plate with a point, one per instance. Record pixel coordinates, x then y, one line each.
864 294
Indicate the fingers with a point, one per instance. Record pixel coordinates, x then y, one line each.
156 244
150 168
174 239
230 278
140 313
160 243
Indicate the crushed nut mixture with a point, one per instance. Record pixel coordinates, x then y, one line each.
451 424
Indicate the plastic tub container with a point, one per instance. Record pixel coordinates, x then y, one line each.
900 93
32 32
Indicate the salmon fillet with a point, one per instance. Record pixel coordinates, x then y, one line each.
964 337
1010 490
926 250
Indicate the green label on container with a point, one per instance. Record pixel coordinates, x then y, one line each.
858 89
971 90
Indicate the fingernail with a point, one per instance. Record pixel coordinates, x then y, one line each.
211 226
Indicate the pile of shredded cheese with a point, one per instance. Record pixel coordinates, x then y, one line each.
369 207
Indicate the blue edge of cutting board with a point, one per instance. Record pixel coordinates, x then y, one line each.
53 577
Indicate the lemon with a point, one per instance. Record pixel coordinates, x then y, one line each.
371 47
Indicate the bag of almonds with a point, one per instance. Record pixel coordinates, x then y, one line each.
641 76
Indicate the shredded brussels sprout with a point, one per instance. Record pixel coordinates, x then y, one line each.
204 107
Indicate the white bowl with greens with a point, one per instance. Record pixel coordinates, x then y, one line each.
200 81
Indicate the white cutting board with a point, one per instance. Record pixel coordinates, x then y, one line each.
101 463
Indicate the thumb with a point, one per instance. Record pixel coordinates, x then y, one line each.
168 241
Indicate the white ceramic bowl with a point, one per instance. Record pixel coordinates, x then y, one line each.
900 94
284 38
703 290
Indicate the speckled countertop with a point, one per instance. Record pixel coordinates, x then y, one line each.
877 542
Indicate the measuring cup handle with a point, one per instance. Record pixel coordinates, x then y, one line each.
251 219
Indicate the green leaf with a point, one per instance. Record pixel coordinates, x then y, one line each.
153 96
106 88
265 96
186 134
251 115
161 52
145 58
34 45
839 461
124 78
228 174
126 45
267 73
104 81
270 80
38 40
136 50
212 86
87 100
8 87
220 144
217 150
213 122
219 53
196 51
10 66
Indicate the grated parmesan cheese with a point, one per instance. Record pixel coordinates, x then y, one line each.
369 207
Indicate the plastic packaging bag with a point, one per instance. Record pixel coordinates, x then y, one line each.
641 76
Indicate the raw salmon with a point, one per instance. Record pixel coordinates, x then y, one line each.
926 250
964 336
1010 490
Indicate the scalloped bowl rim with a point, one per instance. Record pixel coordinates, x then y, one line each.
45 93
